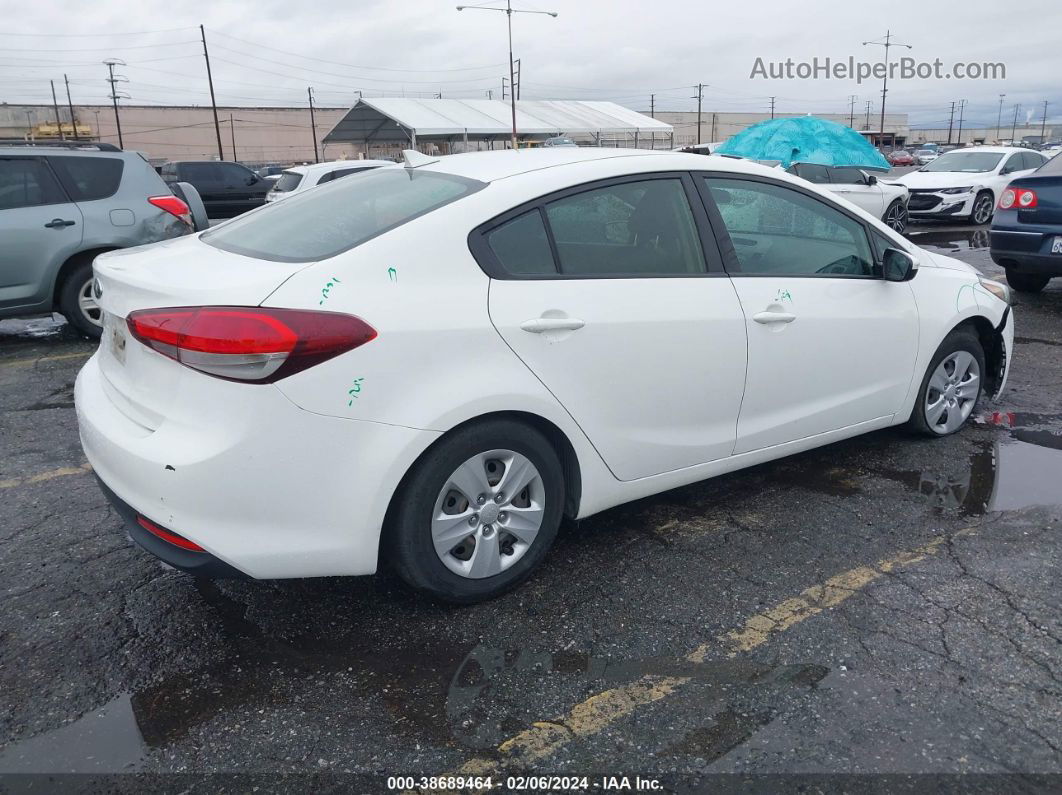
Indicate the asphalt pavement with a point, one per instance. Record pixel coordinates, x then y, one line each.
887 607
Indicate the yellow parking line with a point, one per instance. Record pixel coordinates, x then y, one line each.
596 713
59 357
41 477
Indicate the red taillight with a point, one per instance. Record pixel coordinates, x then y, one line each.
251 344
173 206
167 536
1022 198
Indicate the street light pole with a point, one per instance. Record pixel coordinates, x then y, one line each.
509 11
885 81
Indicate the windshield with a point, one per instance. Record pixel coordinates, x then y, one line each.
288 181
339 215
965 162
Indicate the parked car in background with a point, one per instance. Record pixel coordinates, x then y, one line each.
271 173
868 191
61 206
419 365
900 157
299 178
227 189
967 183
923 156
559 140
1027 229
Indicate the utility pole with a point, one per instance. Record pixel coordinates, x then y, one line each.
999 117
851 110
111 63
1014 125
772 107
232 132
962 107
867 126
652 105
70 104
213 102
313 126
1043 124
503 87
699 97
885 81
490 94
512 67
58 121
518 78
951 122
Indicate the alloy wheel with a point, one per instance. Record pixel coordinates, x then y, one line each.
488 513
952 392
982 212
896 219
87 305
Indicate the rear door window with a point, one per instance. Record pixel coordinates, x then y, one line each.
641 228
1032 159
202 175
27 182
339 215
89 178
812 173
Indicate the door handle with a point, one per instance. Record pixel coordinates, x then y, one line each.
773 317
58 223
540 324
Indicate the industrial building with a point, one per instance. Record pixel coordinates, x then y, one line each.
718 126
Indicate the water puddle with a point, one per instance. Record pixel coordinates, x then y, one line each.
106 740
949 240
1022 471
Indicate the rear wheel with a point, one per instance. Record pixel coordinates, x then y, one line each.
1026 282
78 304
896 216
983 207
951 387
478 513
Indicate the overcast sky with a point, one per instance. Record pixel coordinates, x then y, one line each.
266 52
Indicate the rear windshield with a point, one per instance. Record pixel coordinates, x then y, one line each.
1052 166
289 180
340 215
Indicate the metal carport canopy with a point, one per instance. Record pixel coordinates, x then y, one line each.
398 119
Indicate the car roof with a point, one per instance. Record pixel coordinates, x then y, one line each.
491 166
1001 150
334 165
67 151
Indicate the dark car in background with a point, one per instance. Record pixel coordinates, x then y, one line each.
60 207
1027 228
227 189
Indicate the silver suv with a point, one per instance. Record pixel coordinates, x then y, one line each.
60 206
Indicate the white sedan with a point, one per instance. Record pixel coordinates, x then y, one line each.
966 183
881 198
299 178
433 364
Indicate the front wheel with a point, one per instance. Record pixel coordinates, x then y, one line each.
478 513
896 216
983 207
78 304
951 387
1026 282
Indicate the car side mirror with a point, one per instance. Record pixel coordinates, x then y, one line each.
871 179
898 266
252 180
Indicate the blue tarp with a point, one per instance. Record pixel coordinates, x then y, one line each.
804 139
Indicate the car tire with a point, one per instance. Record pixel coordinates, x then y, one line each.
984 207
896 216
1026 282
77 304
456 546
950 386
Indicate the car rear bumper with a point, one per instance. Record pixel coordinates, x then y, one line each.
265 488
1026 251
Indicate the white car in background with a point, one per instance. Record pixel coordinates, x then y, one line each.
924 156
433 364
299 178
867 190
966 183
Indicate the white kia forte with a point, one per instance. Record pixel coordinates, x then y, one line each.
429 366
